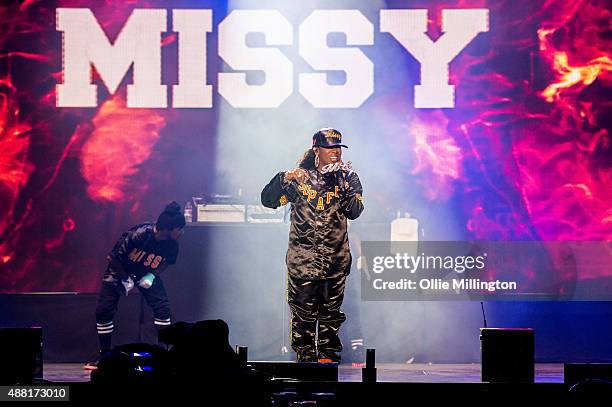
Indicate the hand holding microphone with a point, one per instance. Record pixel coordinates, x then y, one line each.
298 174
338 169
337 166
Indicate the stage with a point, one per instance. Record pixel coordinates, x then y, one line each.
387 372
407 382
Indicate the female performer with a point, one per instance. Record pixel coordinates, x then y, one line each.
324 193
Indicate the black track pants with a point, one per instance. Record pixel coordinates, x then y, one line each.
108 300
313 301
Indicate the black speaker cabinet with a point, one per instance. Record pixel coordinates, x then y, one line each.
507 355
21 359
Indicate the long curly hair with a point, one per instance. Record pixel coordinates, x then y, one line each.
308 160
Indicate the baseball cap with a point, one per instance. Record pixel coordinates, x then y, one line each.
327 138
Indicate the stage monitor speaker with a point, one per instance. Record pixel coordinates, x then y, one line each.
21 360
310 372
574 373
507 355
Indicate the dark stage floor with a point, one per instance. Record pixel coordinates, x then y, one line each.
387 372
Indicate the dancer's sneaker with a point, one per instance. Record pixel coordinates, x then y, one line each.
93 365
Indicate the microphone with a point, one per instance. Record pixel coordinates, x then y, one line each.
340 180
483 314
337 169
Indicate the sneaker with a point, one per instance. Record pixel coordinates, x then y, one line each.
93 365
328 357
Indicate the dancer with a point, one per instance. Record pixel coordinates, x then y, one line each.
137 259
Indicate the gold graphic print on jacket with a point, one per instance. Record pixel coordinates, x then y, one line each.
318 240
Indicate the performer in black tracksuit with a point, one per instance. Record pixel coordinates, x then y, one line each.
324 193
138 257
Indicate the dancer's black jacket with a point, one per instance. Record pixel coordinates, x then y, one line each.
318 240
139 253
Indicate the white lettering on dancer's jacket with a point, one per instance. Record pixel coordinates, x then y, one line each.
151 260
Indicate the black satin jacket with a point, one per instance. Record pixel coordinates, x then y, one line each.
318 239
139 253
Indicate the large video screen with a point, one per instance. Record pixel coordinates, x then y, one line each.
484 121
